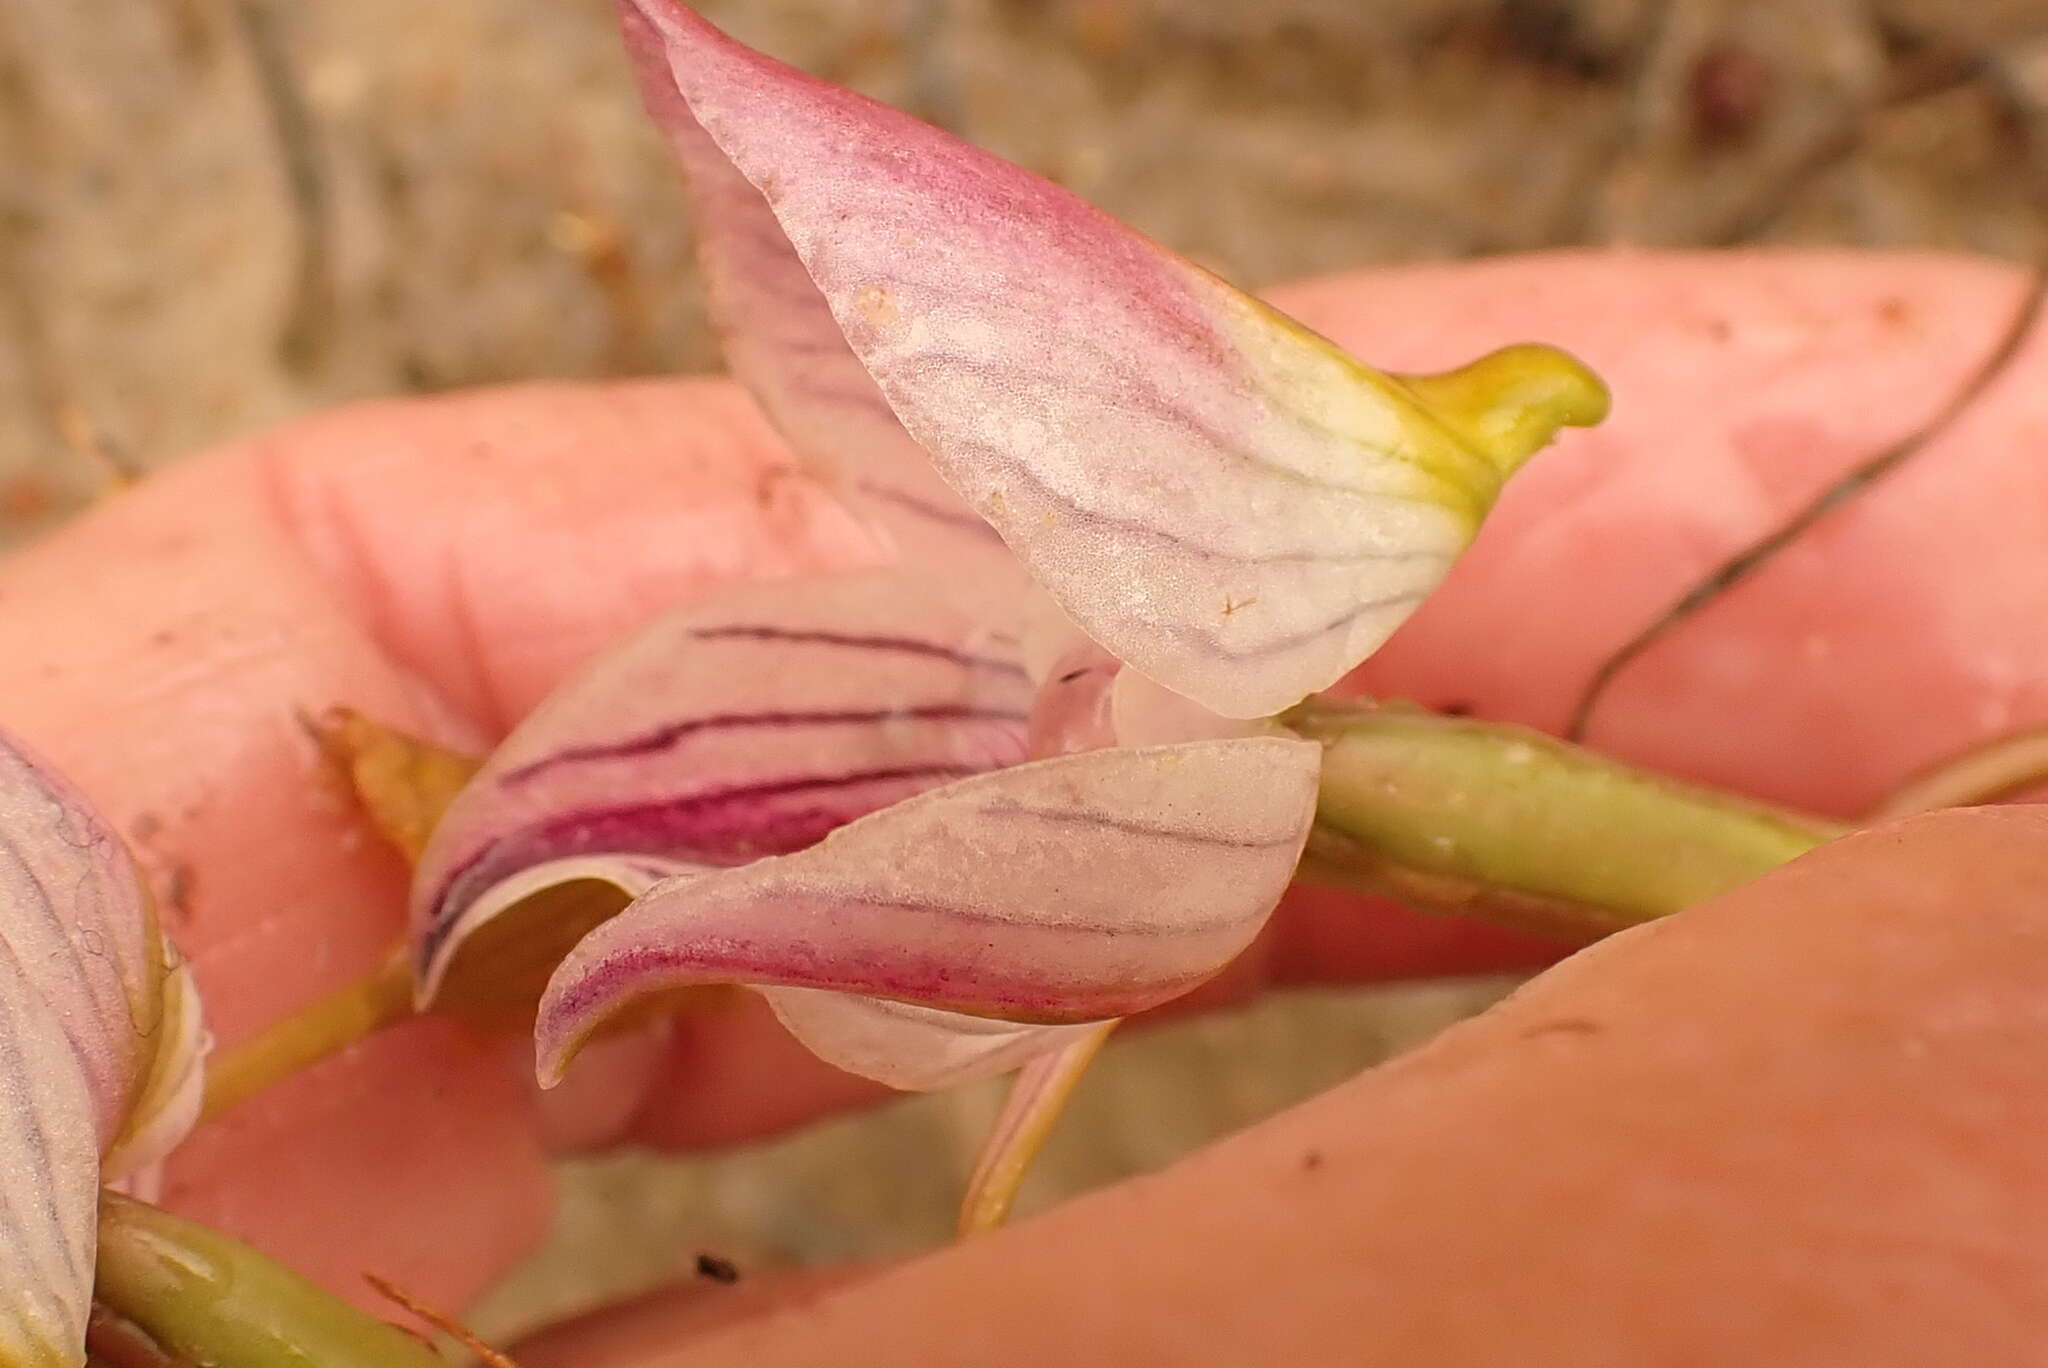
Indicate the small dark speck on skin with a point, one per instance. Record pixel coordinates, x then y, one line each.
145 827
716 1269
1457 707
163 636
1311 1161
771 484
1577 1026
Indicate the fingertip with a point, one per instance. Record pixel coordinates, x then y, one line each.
1796 1124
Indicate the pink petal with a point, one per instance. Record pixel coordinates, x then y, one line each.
168 1105
1221 498
1065 890
49 1165
73 916
781 342
746 726
100 1045
917 1049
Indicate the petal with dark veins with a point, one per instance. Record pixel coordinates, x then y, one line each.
745 726
1221 498
987 897
100 1049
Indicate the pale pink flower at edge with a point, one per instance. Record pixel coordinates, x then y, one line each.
100 1051
912 807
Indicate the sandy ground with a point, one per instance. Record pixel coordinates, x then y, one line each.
215 214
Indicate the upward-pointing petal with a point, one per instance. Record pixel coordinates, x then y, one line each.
1223 499
781 341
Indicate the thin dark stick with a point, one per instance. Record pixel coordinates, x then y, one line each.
1746 562
309 318
441 1321
1575 221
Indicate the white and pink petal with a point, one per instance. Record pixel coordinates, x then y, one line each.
1220 497
1062 891
100 1049
745 726
781 341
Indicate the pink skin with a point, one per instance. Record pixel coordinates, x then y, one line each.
443 564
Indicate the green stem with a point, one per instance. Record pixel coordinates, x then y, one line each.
303 1039
1509 823
206 1299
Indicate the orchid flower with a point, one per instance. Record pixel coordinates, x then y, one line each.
100 1051
1224 500
948 823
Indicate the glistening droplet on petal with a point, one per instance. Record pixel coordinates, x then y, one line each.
1221 498
1067 890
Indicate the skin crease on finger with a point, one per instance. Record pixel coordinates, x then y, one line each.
441 564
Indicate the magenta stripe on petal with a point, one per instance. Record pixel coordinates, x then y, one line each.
1065 890
749 725
663 737
722 827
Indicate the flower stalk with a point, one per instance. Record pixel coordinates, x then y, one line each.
204 1298
322 1029
1505 822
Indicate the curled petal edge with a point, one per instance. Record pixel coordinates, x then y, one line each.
748 724
982 897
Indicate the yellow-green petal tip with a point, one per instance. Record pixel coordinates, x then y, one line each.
1510 403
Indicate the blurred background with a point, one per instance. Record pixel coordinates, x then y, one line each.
215 214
